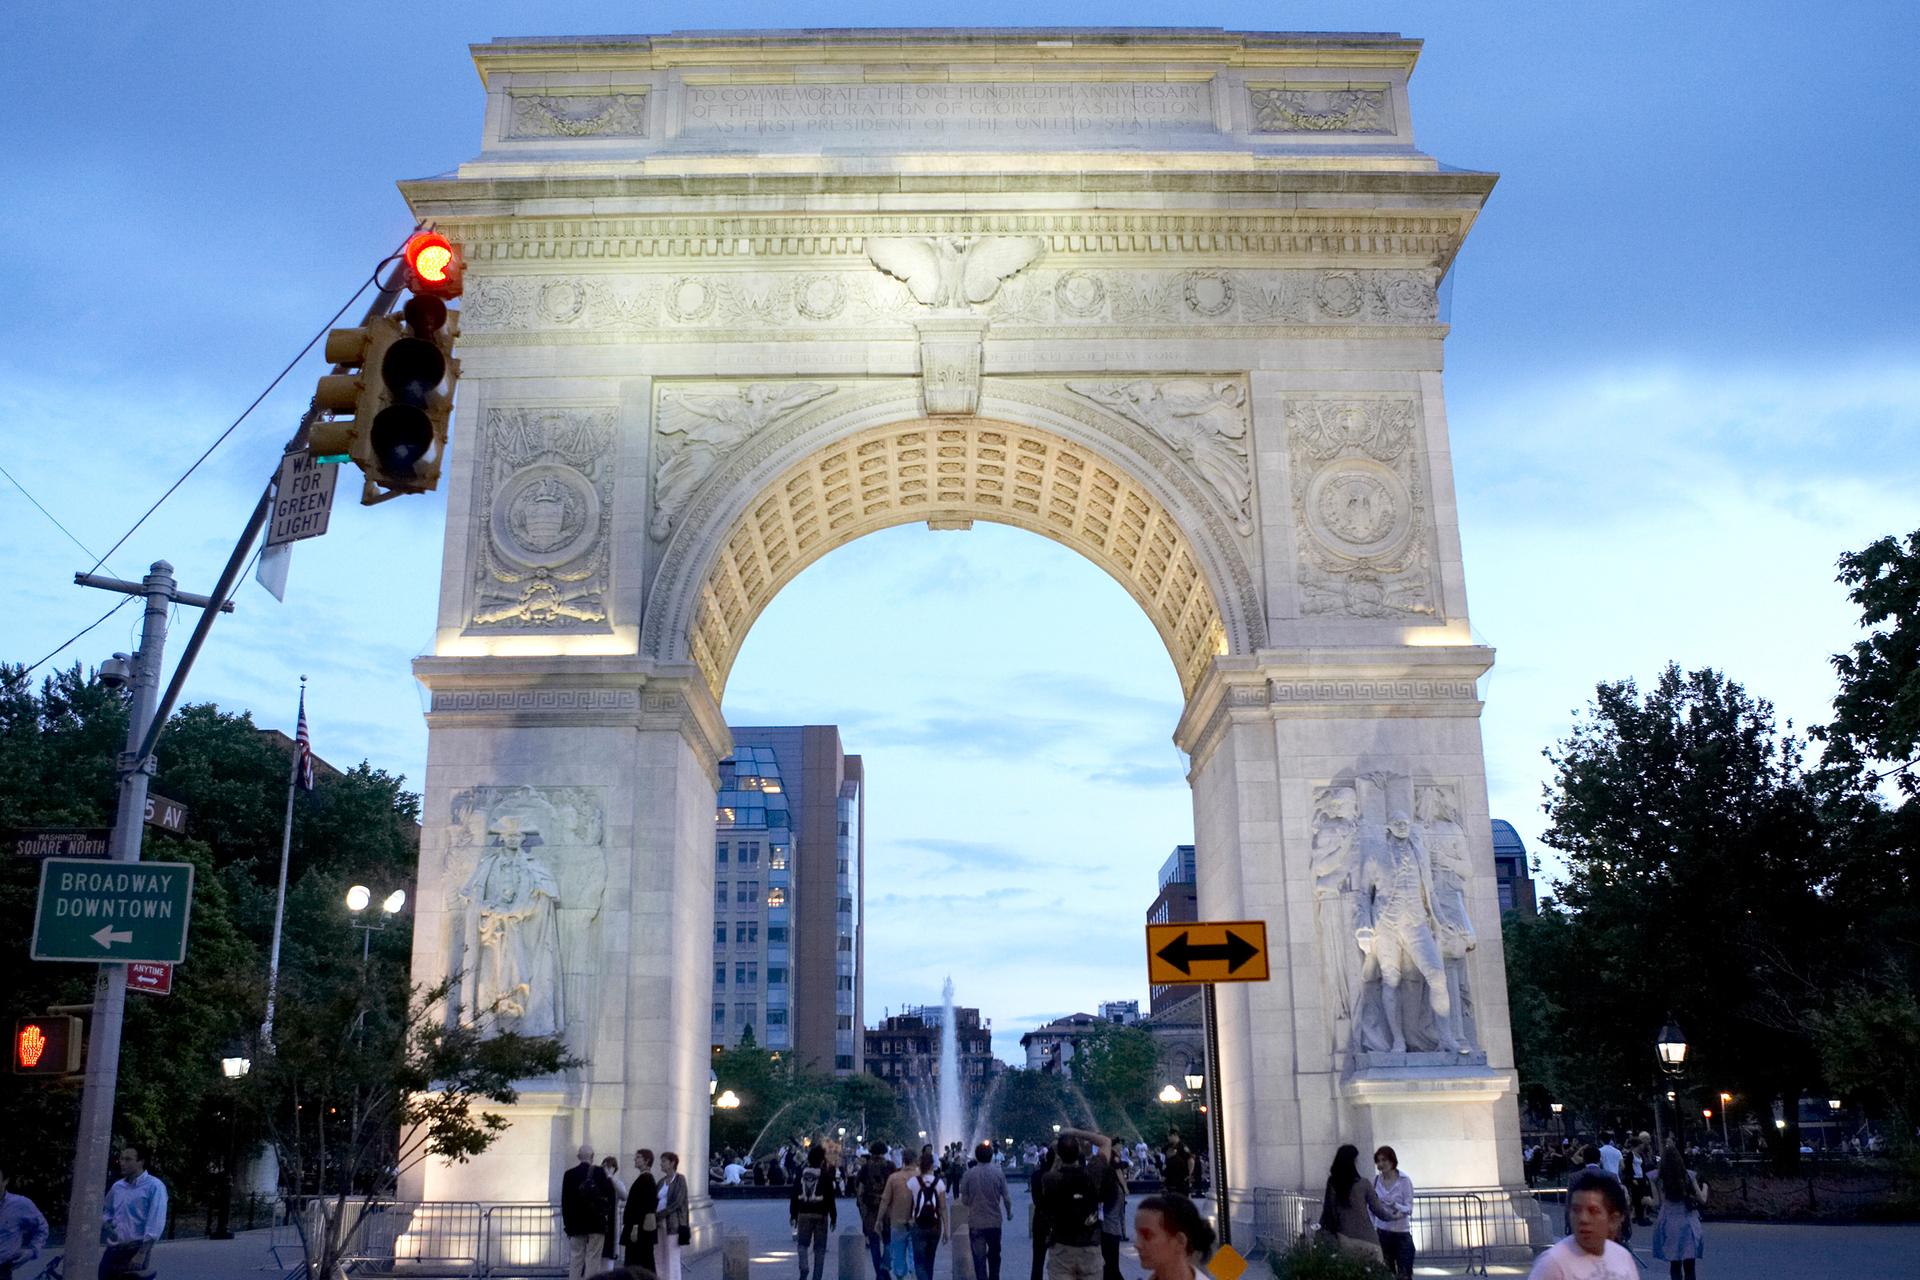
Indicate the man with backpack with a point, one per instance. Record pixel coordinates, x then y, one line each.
1072 1202
811 1210
928 1215
870 1184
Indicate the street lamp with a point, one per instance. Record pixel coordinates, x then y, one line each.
727 1101
234 1065
1170 1095
358 898
713 1086
1194 1081
1556 1108
1671 1046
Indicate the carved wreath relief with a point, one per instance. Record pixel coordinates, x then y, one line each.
1391 864
697 431
1283 110
546 497
1205 423
1360 508
527 874
577 115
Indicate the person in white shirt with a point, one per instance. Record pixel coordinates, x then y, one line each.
1609 1155
134 1217
734 1174
1596 1204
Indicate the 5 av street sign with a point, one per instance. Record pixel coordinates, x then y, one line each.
112 912
1207 951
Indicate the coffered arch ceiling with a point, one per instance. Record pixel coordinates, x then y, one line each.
950 471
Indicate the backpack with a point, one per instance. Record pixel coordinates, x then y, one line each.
1074 1204
873 1183
926 1201
811 1195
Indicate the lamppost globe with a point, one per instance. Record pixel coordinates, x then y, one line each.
1556 1107
1170 1094
392 903
713 1084
1056 1128
727 1101
1194 1081
235 1066
1833 1104
1671 1045
843 1131
358 897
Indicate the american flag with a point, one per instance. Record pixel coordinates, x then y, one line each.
303 748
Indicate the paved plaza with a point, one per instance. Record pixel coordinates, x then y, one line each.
1735 1251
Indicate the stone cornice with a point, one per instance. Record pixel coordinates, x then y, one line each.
567 692
1437 680
1002 48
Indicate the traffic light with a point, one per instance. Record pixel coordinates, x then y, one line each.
47 1046
390 399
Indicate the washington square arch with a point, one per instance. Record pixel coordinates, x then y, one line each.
1170 298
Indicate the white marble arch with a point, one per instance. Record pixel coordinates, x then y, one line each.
1205 352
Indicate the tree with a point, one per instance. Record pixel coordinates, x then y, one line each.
1695 850
1028 1105
359 1090
1877 710
1118 1068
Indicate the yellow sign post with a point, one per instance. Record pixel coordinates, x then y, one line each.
1207 951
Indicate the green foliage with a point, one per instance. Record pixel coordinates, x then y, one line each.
1877 710
786 1102
1870 1047
58 747
1314 1261
1028 1105
1118 1068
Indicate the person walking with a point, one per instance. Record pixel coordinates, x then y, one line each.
984 1195
640 1227
134 1216
1349 1207
670 1206
929 1214
1596 1205
586 1207
1073 1216
811 1212
1176 1169
1173 1240
1038 1225
1113 1213
896 1216
1678 1239
23 1230
1394 1192
870 1184
1610 1156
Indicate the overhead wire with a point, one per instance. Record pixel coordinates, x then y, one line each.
49 515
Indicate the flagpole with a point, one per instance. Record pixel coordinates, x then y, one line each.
280 895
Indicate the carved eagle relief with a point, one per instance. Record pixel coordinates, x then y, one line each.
953 271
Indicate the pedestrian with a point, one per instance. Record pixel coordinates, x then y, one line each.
134 1216
1394 1191
811 1211
670 1205
1177 1167
1073 1215
1349 1207
870 1184
1113 1213
1596 1204
1678 1239
23 1230
608 1252
586 1208
641 1225
1038 1225
1641 1188
1173 1240
896 1216
1610 1156
929 1216
984 1195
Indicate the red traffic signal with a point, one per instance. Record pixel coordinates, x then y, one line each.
433 265
46 1046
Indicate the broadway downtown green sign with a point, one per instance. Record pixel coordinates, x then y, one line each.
112 912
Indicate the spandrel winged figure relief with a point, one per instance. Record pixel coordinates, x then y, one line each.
953 271
697 432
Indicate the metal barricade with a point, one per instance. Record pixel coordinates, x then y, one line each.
1451 1227
523 1240
1280 1218
420 1238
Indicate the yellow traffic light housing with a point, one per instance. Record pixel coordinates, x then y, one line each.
48 1046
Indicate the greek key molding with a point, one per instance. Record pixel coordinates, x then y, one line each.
1298 692
558 701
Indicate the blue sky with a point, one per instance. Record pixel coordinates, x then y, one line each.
1682 380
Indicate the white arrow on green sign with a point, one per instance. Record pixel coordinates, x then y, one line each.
112 912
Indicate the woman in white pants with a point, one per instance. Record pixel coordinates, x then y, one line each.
672 1216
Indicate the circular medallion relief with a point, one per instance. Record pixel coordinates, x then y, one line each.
689 299
820 297
1208 293
562 301
1359 508
545 515
1080 294
1339 293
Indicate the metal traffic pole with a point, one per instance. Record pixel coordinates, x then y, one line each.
102 1078
1211 1011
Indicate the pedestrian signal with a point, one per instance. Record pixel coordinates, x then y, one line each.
46 1046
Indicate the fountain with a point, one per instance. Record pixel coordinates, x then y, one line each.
951 1127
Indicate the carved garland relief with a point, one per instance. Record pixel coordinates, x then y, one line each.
545 502
1360 508
1288 109
596 114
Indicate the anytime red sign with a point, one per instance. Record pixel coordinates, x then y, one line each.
154 979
